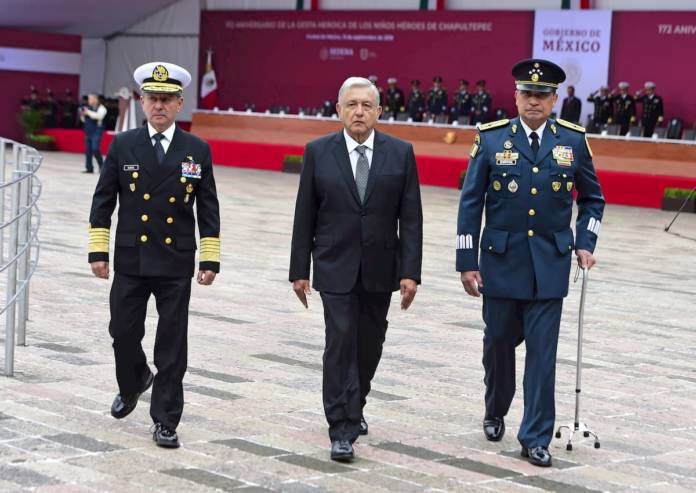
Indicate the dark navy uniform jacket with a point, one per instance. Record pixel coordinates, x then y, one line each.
527 243
155 235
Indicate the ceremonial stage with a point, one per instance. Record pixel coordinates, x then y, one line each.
253 419
632 171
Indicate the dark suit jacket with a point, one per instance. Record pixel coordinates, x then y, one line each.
382 239
156 235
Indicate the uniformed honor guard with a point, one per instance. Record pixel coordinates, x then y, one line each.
481 103
625 108
157 172
395 103
653 109
462 101
416 102
603 108
437 98
524 172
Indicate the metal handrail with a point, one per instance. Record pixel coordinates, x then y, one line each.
20 252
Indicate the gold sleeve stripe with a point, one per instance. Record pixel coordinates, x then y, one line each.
210 249
99 240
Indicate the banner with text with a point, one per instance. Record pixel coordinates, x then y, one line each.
301 58
657 47
578 41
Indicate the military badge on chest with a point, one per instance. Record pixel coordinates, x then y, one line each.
563 155
190 169
506 158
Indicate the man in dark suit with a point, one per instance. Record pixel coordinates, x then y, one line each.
157 173
572 106
523 171
358 215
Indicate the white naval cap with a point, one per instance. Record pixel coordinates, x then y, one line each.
161 77
623 85
650 85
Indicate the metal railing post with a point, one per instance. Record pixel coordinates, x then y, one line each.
3 160
22 239
11 283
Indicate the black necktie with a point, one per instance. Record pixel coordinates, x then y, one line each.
535 142
159 148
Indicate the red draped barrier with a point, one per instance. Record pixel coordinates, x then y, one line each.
619 187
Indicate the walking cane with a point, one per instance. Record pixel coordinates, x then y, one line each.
686 200
577 426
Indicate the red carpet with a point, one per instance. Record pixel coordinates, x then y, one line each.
623 188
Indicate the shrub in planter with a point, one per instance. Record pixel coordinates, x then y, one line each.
673 199
41 142
31 121
292 163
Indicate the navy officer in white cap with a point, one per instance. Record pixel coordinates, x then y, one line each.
158 173
524 172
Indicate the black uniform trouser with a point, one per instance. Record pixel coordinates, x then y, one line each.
508 323
128 301
356 325
649 125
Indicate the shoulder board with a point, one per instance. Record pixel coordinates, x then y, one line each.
496 124
567 124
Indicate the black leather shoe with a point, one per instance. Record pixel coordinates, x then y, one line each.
494 429
87 172
123 405
363 426
165 436
342 451
538 456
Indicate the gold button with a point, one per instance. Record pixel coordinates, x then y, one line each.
170 220
168 241
143 238
532 212
534 191
535 169
146 196
182 179
490 247
135 174
172 200
144 218
530 232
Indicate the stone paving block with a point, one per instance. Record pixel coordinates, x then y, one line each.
24 477
323 466
83 442
251 447
206 478
214 375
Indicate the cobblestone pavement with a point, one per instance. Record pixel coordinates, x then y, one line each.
253 419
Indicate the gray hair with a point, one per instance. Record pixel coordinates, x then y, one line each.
357 82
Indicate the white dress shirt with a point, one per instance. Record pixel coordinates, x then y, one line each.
528 131
168 136
354 155
97 115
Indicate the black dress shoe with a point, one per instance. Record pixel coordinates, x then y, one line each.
123 405
342 451
363 426
165 436
494 429
88 172
538 456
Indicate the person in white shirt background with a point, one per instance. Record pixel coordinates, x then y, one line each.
92 116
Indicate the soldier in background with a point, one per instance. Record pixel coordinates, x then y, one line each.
49 108
462 101
68 110
572 107
416 101
603 108
395 102
481 103
437 98
624 107
653 109
374 79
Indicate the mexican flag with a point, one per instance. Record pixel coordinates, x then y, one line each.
576 4
432 4
307 5
209 92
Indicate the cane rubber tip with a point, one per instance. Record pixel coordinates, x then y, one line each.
558 434
596 445
569 447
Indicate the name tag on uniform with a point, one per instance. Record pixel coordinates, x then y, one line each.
131 167
563 155
191 170
506 158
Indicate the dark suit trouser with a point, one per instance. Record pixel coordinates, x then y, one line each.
128 301
508 323
356 325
